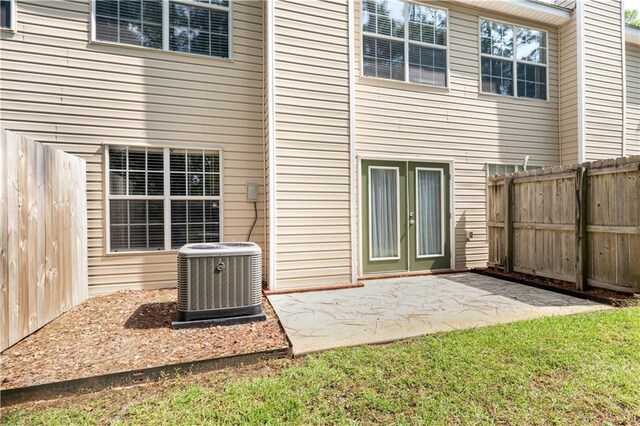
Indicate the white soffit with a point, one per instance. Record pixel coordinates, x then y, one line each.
632 34
526 9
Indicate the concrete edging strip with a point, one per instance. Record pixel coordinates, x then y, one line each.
64 388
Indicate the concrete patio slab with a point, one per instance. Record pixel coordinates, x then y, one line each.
393 309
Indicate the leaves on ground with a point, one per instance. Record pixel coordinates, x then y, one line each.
581 369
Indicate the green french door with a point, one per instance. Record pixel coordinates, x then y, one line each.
406 220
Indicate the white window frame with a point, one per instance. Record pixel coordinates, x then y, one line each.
518 167
166 197
442 213
514 60
13 19
406 42
165 29
398 249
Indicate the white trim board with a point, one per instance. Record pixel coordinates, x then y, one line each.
353 169
624 82
580 35
272 237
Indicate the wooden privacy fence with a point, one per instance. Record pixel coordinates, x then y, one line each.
43 235
577 223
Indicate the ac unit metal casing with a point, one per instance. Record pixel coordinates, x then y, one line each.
218 280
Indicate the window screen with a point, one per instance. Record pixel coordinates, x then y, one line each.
136 22
199 27
6 13
404 41
513 60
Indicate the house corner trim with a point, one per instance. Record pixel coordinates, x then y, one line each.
273 193
352 144
581 83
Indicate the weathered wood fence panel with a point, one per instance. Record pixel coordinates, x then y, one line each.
578 223
43 235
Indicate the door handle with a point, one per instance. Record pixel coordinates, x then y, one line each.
411 220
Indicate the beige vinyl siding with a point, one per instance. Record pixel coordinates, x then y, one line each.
603 79
61 90
633 99
460 124
568 92
312 143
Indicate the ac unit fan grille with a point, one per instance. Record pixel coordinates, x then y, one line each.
202 287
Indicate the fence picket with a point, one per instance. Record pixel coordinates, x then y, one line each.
579 223
43 236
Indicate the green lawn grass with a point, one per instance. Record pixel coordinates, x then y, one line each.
581 369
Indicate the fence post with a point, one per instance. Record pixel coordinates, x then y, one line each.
508 225
581 227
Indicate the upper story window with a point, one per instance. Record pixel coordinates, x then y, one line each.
192 26
162 198
513 60
404 41
7 14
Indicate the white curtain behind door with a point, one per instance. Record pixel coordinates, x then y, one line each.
429 206
384 213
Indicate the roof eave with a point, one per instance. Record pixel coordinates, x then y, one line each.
632 34
526 9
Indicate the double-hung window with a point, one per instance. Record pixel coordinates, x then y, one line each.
193 26
162 198
513 60
7 14
404 41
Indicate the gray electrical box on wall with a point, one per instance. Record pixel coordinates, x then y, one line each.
252 191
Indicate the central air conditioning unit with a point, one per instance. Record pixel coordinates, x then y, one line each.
219 284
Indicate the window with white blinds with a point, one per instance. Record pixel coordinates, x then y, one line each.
162 198
201 27
404 41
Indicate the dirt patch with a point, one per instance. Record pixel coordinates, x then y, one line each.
127 331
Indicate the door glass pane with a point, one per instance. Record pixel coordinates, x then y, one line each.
384 195
429 214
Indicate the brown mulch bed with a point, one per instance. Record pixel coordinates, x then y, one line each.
127 331
600 294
